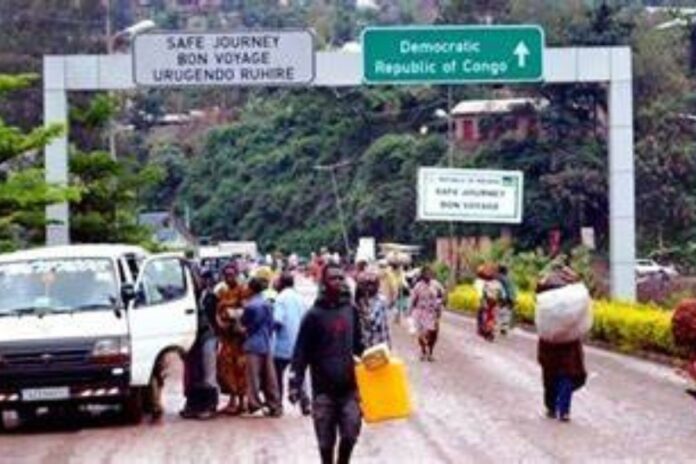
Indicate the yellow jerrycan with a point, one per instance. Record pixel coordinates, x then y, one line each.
384 392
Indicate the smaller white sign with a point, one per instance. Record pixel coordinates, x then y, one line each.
469 195
588 237
250 58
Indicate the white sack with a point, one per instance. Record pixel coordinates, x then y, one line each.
564 314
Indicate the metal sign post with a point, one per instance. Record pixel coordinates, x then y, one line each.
611 65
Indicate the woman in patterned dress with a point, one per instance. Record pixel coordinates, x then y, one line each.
231 362
491 297
427 301
372 310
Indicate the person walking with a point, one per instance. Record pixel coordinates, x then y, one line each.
427 302
231 363
200 367
372 310
386 283
267 274
507 304
257 321
329 339
490 299
562 364
288 311
402 291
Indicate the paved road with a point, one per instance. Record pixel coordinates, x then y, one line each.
478 402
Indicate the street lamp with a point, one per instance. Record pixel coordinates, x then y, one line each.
125 35
130 32
331 168
442 114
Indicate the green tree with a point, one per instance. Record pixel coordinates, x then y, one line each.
24 194
170 161
113 190
474 11
666 174
110 190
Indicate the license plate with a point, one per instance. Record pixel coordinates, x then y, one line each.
45 394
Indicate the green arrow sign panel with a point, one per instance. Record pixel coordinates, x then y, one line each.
453 54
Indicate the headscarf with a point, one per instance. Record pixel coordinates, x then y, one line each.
487 271
264 272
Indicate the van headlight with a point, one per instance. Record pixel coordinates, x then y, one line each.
111 351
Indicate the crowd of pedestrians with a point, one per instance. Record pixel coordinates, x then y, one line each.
256 332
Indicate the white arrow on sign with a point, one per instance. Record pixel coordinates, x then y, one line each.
521 51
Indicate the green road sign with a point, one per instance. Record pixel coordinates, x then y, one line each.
452 54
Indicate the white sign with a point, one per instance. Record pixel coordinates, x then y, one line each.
469 195
235 58
367 249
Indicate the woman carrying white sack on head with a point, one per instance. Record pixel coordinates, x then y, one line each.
563 317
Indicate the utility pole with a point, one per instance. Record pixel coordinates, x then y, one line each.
452 249
332 171
450 159
110 50
447 116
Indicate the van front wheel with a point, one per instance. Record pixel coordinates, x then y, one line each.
133 405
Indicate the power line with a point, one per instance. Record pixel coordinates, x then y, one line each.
332 170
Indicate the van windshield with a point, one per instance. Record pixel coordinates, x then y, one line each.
57 285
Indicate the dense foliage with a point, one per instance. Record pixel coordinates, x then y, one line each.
111 188
257 178
254 176
24 194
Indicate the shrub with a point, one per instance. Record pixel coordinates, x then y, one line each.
631 327
499 251
627 326
464 298
526 267
524 307
684 323
442 272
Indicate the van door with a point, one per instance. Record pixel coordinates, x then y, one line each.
163 314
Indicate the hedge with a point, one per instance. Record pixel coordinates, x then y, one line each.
626 326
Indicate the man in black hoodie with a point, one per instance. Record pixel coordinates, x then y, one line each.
329 338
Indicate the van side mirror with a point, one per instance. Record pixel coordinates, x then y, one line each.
128 294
